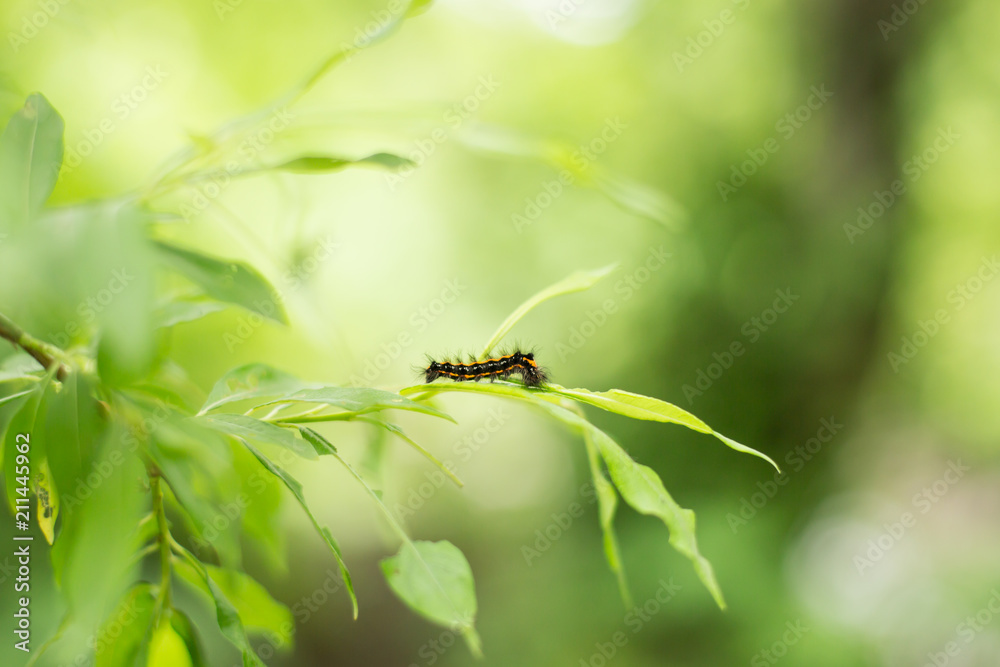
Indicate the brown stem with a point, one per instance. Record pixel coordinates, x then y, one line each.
45 354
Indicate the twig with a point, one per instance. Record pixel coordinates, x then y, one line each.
45 354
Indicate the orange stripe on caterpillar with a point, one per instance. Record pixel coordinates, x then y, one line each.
502 367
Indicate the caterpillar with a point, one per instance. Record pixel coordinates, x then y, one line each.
515 362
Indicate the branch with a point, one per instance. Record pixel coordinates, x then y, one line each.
45 354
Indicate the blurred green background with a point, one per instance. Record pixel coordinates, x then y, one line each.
829 300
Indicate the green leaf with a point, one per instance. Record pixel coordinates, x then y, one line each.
342 55
638 406
178 311
73 427
575 282
250 381
296 488
225 613
262 523
397 431
11 404
642 488
435 580
356 400
322 164
185 630
431 579
107 506
124 639
31 152
24 422
257 609
197 465
639 199
229 281
14 397
607 503
417 7
638 485
19 366
48 501
413 8
127 344
167 648
258 431
628 194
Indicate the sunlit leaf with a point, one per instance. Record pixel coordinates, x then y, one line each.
178 311
257 609
638 406
197 465
325 164
638 485
225 280
258 431
48 500
397 431
106 508
167 648
228 618
251 381
607 503
632 196
575 282
73 427
640 199
356 401
123 641
296 488
431 579
185 630
435 580
124 303
31 151
23 424
642 488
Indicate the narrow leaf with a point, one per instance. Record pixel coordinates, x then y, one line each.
257 609
23 422
607 503
120 644
642 488
639 485
48 501
322 164
397 431
31 152
258 431
444 589
575 282
250 381
296 488
638 406
225 280
178 311
356 400
226 614
185 630
72 427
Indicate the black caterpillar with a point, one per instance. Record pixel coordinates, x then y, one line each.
522 363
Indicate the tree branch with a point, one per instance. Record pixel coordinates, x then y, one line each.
45 354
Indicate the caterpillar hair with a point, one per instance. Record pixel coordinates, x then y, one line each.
502 367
